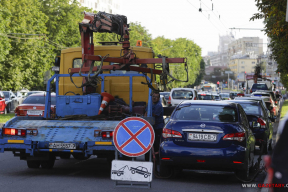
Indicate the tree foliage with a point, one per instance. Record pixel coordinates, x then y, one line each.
274 13
32 33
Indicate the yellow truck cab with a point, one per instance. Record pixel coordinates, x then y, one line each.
116 86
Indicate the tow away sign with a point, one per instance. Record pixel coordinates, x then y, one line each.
140 171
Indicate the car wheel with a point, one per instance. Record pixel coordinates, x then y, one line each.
165 171
145 175
265 148
118 174
133 171
33 164
243 174
8 108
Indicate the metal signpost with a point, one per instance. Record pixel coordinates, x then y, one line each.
133 137
228 72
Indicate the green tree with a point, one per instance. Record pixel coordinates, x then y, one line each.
274 12
4 41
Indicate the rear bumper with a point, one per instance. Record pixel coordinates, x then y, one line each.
215 158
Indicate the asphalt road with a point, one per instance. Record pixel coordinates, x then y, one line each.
94 175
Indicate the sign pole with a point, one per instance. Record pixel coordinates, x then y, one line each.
228 82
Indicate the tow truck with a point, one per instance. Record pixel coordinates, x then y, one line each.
91 97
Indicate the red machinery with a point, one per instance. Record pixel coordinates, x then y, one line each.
104 22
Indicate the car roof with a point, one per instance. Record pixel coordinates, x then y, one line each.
244 101
41 94
207 102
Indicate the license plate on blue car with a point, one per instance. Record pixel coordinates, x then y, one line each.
202 137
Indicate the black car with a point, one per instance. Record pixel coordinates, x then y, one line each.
259 121
207 135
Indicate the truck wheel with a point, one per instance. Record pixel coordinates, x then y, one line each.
80 156
49 164
65 156
33 164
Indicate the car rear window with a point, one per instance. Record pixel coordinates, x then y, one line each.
260 86
166 95
38 100
216 97
251 109
182 94
206 113
204 97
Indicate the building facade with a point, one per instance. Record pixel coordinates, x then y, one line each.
243 64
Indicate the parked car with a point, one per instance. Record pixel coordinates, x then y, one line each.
19 97
33 92
217 97
207 135
205 96
267 94
259 87
260 123
11 100
177 95
3 106
225 96
34 105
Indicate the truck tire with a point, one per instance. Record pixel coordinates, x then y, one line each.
48 164
33 164
65 156
80 156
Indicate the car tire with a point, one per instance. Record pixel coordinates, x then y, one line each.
8 108
33 164
265 148
118 174
145 175
243 174
270 146
133 171
165 171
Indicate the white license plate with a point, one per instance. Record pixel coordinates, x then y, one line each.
62 145
202 137
34 112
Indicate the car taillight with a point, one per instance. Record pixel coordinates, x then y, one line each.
169 100
107 134
251 91
17 111
168 133
261 122
235 136
11 131
195 98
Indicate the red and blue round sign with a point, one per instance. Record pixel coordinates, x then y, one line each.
133 136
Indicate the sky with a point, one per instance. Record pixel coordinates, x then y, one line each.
181 19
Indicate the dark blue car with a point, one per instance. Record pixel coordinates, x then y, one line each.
207 135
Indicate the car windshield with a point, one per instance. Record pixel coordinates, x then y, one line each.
205 97
260 86
206 113
251 109
38 100
6 94
182 94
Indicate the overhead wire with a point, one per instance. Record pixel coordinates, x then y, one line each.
205 17
218 18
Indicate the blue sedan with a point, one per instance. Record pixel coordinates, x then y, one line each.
207 135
